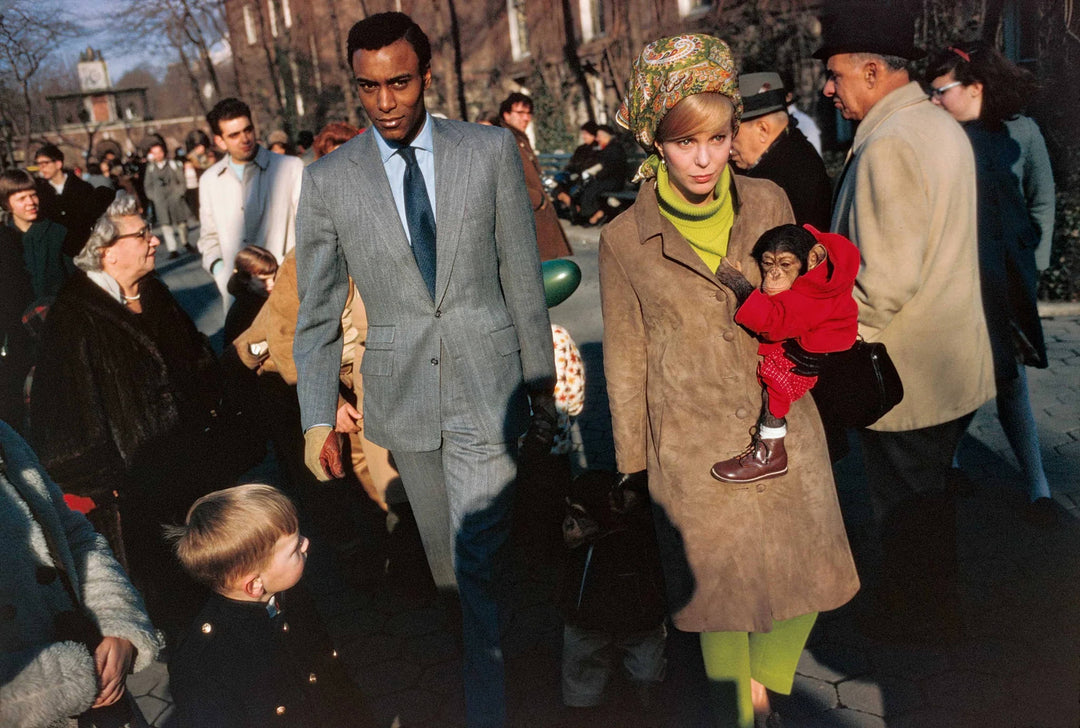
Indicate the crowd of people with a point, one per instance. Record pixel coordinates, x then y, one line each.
387 332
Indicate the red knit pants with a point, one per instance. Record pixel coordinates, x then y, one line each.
782 384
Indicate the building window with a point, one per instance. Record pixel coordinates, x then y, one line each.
695 7
592 19
286 13
273 17
249 25
519 31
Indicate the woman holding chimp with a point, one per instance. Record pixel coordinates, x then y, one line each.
748 566
985 92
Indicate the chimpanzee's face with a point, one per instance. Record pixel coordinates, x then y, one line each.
779 271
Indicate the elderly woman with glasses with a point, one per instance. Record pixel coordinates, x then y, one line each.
985 92
746 566
123 396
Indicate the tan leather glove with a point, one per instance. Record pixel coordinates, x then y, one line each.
322 453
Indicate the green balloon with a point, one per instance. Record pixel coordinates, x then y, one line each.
561 278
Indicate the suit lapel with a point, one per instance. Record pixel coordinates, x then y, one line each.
453 162
376 202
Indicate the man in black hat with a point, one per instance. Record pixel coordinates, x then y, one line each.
906 198
768 146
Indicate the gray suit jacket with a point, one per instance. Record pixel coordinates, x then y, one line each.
488 314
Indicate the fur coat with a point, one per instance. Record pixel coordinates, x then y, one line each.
116 394
42 680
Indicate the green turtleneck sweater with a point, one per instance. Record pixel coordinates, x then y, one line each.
707 227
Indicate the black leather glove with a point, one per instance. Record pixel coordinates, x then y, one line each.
541 433
807 363
734 280
630 490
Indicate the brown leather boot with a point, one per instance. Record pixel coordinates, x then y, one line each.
761 459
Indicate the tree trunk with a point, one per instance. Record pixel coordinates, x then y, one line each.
455 39
349 87
570 53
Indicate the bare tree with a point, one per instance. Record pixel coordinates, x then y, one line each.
29 35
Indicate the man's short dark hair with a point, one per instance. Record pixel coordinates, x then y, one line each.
590 127
305 139
51 151
514 98
226 110
382 29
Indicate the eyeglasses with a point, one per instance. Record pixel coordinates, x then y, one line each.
936 93
144 232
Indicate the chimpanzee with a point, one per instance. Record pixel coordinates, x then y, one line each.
803 310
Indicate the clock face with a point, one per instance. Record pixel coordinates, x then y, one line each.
91 77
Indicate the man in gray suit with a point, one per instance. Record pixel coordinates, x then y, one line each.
431 219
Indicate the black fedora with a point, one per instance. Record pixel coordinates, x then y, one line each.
883 27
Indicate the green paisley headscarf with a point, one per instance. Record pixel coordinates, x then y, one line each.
667 71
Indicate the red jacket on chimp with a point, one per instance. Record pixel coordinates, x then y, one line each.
818 311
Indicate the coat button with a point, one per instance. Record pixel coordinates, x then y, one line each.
45 575
438 314
434 362
280 710
720 296
207 628
284 626
760 488
312 678
729 335
741 413
333 653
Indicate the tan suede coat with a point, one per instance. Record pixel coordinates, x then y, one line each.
683 392
907 201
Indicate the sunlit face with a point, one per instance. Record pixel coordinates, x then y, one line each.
695 162
391 87
131 256
519 116
846 85
24 206
779 271
48 168
237 137
286 565
155 154
963 102
261 284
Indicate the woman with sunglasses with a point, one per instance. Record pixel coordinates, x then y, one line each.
123 399
985 93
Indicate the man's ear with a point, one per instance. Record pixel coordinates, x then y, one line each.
219 142
762 128
815 256
870 73
427 78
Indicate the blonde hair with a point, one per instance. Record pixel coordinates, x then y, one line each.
696 113
232 532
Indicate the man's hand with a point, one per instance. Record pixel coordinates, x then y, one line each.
113 659
541 433
732 277
322 453
348 419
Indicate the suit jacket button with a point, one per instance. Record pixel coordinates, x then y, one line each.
434 362
438 314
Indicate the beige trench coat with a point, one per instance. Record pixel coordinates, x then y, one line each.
907 200
684 394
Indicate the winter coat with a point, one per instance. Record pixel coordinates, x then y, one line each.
550 237
906 198
165 187
794 164
237 666
683 392
77 208
42 679
1008 238
116 394
1032 169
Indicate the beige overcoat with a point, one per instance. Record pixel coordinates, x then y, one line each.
907 200
683 392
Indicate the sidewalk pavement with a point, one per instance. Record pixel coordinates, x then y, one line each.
1018 665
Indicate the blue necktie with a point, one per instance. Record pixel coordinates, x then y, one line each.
420 218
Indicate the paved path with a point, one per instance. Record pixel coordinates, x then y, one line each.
1017 667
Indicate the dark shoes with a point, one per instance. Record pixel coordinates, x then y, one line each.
1041 513
762 459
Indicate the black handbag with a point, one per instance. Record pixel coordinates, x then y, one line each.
857 387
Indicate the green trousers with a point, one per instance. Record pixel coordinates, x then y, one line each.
733 658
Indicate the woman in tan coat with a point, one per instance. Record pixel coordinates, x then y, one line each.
747 566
